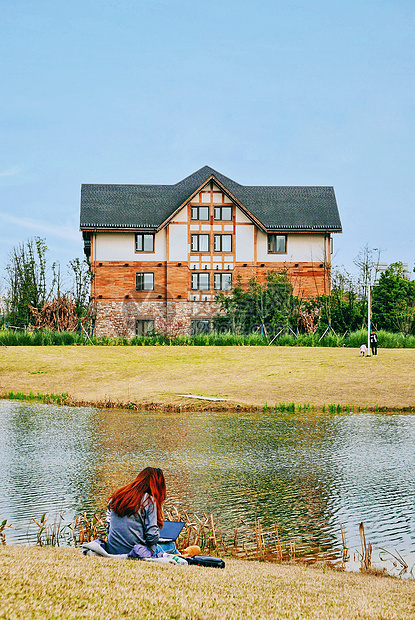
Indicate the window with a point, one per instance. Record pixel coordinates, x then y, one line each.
144 281
200 281
223 213
200 213
201 326
222 281
200 243
144 242
277 244
144 327
223 243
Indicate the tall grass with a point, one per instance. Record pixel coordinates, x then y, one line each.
354 340
45 337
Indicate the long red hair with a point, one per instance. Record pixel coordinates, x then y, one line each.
127 500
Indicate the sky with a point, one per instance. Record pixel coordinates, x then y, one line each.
272 92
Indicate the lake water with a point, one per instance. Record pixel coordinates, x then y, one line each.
307 472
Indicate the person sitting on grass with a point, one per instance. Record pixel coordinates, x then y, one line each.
135 517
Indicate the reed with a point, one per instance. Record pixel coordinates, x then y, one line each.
250 542
85 529
56 532
49 534
345 550
366 558
397 559
3 527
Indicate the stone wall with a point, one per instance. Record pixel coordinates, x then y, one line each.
118 318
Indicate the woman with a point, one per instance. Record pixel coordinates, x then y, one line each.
135 516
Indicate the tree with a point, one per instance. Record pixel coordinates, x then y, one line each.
367 261
27 280
80 272
342 309
34 285
393 305
261 306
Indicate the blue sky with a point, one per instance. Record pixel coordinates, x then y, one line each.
306 92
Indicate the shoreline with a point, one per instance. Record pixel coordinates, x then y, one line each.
200 406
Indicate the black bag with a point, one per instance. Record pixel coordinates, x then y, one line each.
206 560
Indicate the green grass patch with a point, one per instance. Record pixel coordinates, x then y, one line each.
58 399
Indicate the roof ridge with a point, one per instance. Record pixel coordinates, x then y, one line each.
275 206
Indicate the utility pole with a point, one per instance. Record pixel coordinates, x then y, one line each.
368 320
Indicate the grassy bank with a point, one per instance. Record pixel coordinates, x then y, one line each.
49 583
245 376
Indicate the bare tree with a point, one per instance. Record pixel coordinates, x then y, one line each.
367 261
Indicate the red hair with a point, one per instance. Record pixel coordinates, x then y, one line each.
129 498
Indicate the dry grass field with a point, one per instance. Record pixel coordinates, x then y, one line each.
47 583
248 376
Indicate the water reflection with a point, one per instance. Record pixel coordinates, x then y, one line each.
309 473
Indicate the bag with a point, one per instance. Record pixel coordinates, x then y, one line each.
206 560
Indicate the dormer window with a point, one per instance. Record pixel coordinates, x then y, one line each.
144 242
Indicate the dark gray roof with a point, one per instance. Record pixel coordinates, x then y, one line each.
149 206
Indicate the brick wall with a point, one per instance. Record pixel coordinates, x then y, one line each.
307 279
119 305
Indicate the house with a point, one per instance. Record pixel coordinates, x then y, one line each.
160 253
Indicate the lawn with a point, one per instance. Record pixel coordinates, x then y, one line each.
48 583
247 376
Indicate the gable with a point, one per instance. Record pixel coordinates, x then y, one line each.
210 194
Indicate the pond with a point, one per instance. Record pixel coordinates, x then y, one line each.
307 472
